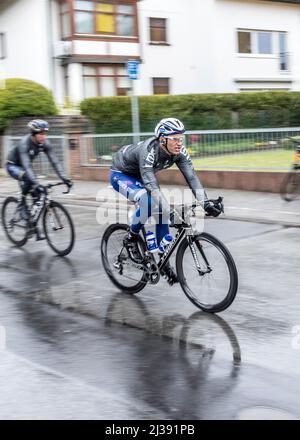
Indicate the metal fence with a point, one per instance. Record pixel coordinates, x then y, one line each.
209 149
41 164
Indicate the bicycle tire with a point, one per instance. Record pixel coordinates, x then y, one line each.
104 242
290 187
18 243
233 275
69 247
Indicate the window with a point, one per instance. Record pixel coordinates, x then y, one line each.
2 46
158 32
264 43
283 55
65 20
105 18
161 86
244 42
105 80
255 42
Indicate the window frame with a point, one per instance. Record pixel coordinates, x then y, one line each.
102 35
154 86
254 42
62 13
3 46
100 75
276 35
164 28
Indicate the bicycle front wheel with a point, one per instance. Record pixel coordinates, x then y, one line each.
290 187
207 272
15 227
59 229
121 270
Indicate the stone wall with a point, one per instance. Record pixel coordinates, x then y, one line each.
241 180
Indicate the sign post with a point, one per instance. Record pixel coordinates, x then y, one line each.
133 74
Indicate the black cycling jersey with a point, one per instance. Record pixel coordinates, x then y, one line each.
144 159
26 151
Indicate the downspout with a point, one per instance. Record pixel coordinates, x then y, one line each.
49 20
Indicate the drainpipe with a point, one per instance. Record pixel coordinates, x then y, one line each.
49 29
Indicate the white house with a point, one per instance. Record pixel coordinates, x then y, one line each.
79 48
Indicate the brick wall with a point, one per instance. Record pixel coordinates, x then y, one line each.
242 180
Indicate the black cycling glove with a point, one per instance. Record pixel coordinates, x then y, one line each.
39 189
214 207
68 182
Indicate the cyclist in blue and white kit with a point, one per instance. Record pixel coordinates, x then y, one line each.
133 175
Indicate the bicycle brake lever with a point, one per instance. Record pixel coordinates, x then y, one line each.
68 190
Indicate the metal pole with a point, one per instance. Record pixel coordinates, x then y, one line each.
135 114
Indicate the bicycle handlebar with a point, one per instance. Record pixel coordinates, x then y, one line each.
219 200
51 185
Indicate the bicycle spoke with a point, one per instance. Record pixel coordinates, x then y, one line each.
130 272
59 229
122 271
207 271
15 227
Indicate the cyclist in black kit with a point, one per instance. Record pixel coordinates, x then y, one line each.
19 163
133 175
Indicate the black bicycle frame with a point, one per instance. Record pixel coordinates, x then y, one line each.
40 211
169 251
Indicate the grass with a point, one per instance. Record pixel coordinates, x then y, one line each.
277 160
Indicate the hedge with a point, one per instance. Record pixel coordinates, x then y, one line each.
198 112
22 97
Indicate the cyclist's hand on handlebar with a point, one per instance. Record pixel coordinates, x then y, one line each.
40 189
214 207
68 182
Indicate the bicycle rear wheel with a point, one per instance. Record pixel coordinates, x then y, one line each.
15 227
121 270
213 287
59 229
290 187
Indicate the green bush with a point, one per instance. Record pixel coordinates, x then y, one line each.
22 97
198 112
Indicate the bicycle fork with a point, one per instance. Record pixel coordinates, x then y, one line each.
54 219
195 256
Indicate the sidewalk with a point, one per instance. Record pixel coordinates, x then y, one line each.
239 205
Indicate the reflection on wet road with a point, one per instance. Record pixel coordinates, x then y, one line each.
154 355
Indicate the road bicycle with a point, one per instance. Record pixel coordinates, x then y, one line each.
56 222
205 268
290 187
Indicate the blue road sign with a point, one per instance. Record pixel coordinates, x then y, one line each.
133 69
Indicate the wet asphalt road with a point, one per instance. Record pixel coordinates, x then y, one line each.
76 348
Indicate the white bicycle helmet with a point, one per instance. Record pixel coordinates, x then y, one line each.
38 126
169 126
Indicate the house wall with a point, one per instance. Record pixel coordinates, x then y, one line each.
260 15
201 55
25 26
188 59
